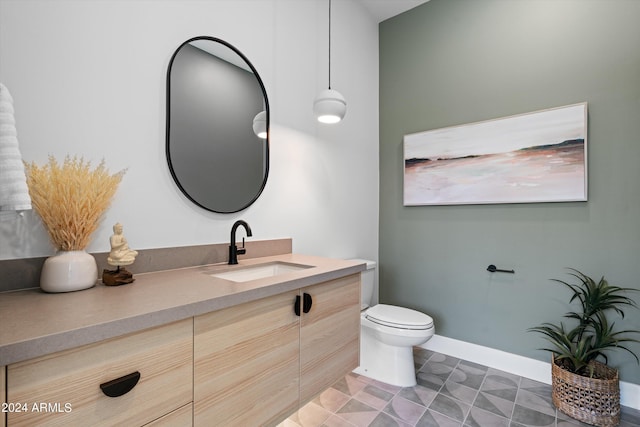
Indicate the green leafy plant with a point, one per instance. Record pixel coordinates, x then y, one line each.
575 348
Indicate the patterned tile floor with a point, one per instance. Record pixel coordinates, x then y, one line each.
450 393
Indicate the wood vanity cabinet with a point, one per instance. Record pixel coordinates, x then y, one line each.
251 364
66 388
257 363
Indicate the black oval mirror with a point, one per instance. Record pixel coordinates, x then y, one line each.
216 108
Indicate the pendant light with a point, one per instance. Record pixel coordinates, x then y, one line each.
329 106
260 125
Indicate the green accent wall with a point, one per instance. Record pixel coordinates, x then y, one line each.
452 62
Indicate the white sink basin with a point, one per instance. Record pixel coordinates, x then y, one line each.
260 271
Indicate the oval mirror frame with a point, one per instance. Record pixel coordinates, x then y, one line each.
229 183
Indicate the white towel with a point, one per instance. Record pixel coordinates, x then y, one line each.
14 193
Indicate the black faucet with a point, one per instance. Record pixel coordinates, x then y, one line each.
233 249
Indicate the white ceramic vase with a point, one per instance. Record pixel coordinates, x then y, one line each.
69 271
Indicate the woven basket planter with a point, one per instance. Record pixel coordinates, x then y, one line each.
593 401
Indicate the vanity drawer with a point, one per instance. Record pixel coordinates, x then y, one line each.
65 388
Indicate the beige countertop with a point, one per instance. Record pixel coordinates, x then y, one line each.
34 323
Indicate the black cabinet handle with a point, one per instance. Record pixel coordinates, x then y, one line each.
306 302
296 306
120 386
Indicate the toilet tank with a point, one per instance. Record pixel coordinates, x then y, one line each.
368 282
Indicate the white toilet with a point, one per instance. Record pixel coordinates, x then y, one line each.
387 336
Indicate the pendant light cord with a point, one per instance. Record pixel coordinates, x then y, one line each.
329 44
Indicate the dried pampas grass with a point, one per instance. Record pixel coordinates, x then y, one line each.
71 198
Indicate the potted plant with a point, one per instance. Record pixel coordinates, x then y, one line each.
583 386
70 199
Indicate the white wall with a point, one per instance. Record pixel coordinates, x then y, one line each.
88 79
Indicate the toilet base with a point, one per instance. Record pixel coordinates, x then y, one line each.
386 363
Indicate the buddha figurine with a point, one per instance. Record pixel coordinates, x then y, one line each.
120 255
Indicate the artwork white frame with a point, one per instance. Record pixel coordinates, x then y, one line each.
527 158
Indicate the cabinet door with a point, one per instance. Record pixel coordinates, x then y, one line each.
246 363
66 388
329 335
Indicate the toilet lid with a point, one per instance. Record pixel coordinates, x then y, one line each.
398 317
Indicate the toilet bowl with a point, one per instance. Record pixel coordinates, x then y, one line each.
388 334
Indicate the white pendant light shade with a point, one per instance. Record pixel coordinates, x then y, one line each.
260 125
329 106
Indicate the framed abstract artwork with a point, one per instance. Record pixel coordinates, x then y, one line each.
527 158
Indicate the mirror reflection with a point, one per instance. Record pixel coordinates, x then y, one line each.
217 125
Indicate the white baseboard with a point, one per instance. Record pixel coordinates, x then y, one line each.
515 364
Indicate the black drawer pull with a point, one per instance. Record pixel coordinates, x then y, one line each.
120 386
296 306
306 302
